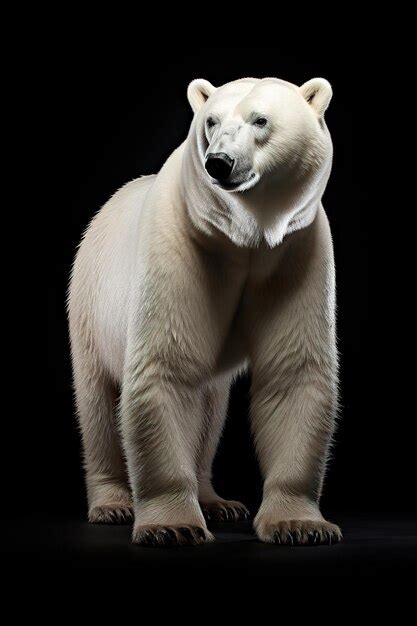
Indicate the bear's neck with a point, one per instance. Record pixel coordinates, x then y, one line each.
262 215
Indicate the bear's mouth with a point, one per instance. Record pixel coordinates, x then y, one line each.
227 186
238 185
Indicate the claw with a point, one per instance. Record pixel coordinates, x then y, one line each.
186 533
200 532
173 535
163 537
149 538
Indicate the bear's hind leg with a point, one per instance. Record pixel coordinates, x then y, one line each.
109 499
213 506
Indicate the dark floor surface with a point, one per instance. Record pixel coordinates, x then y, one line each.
371 546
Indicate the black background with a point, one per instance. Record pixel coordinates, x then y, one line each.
117 118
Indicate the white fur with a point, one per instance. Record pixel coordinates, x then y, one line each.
179 284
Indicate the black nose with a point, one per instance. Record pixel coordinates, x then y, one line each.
219 165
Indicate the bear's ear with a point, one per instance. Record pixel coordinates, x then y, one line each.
198 92
318 93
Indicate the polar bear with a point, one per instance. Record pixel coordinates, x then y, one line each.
220 262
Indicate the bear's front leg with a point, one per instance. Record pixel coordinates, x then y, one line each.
292 415
185 305
294 388
161 425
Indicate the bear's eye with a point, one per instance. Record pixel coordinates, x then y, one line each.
211 122
260 121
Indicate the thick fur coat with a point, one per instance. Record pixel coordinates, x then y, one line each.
184 279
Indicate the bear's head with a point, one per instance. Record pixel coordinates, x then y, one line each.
266 139
249 128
